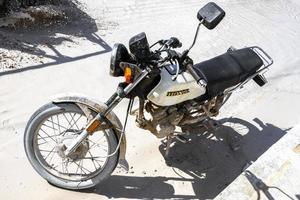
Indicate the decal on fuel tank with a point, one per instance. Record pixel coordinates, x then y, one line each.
179 92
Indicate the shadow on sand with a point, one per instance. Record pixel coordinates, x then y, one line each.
74 22
211 160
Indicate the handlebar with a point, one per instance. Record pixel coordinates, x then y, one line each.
173 42
172 56
176 57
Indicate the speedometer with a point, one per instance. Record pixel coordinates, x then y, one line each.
139 47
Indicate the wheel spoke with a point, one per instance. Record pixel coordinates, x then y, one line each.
61 128
58 125
95 158
51 151
77 167
104 147
54 133
43 138
52 157
75 121
98 162
69 123
48 126
60 132
62 166
81 167
66 166
72 119
97 144
44 150
40 144
47 135
92 159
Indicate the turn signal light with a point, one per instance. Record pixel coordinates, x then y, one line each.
128 74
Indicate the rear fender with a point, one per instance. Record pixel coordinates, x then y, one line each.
86 103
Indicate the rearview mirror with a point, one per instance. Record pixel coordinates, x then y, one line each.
211 14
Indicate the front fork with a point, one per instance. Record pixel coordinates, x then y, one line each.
113 101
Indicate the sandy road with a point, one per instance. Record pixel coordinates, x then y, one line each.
265 112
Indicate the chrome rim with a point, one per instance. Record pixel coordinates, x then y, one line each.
87 161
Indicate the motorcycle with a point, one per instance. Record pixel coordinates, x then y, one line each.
75 142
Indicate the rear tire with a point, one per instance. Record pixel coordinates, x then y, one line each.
33 155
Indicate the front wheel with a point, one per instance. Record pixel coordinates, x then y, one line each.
47 133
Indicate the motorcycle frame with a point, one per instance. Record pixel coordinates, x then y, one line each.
116 98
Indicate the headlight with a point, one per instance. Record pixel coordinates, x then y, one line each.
119 54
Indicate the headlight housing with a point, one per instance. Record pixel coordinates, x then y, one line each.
119 54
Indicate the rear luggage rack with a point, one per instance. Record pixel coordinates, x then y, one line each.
267 62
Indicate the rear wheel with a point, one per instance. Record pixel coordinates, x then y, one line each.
53 127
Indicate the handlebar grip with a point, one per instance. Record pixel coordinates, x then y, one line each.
179 45
174 42
193 73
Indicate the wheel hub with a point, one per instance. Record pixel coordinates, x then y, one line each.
65 141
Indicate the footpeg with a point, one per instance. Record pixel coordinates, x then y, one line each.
211 124
260 80
182 139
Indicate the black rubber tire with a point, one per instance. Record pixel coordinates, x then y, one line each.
37 118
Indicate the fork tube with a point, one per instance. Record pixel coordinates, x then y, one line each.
118 96
112 98
113 101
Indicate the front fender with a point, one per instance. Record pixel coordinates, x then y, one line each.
83 101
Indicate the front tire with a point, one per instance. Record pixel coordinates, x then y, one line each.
46 162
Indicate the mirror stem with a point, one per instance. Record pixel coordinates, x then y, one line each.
196 34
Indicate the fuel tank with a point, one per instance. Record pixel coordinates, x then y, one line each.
169 92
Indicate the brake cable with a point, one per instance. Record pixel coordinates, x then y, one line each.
177 70
130 104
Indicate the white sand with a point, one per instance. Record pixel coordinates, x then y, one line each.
273 25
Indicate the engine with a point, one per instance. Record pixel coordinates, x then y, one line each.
162 121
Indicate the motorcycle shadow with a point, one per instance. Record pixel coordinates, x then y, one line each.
211 161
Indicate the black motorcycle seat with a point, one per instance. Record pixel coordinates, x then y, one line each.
228 69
